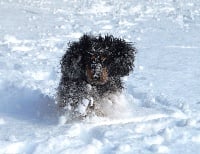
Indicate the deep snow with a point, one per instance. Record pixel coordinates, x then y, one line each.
158 111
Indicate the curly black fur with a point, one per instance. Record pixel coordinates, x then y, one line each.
91 69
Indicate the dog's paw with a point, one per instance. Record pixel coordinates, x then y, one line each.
82 107
89 87
91 104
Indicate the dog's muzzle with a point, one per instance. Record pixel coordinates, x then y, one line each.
96 70
96 73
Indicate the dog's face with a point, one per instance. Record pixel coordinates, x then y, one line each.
97 67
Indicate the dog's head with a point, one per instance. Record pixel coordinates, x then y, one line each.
97 59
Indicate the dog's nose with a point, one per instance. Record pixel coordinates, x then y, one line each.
96 77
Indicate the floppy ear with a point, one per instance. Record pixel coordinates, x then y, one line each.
123 55
72 63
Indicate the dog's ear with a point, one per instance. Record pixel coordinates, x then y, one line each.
122 57
72 63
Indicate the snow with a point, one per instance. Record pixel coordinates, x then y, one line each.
158 112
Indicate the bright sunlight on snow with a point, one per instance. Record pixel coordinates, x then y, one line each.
158 111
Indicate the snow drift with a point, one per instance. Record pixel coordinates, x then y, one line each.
161 102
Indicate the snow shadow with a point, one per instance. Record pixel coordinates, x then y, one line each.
28 104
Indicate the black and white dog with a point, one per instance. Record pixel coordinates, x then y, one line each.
91 70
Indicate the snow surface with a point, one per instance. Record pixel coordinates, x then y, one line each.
157 113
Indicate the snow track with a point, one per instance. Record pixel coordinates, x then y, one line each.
159 109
